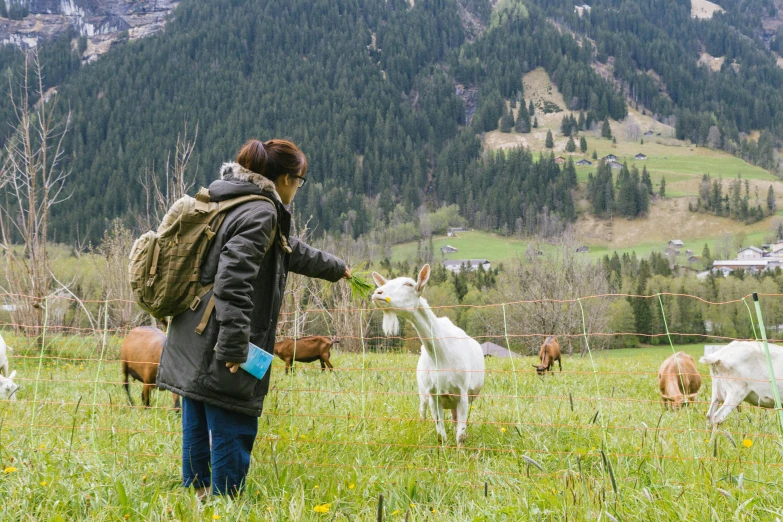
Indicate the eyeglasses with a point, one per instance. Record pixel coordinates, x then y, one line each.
302 180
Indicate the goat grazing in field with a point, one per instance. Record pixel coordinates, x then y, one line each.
450 371
549 353
307 349
739 373
4 357
8 388
140 354
678 379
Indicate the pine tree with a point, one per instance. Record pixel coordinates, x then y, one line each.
606 130
771 204
662 191
522 125
595 155
550 142
583 144
507 122
570 146
706 256
646 181
642 142
530 109
535 122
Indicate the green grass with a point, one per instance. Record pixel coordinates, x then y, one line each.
470 245
345 437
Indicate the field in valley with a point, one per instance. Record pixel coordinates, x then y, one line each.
579 444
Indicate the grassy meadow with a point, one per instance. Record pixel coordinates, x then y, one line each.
581 444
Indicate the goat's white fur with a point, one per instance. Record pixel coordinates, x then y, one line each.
3 357
450 372
7 387
739 373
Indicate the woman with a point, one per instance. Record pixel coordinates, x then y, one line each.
221 405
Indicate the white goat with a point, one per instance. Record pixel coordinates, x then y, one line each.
450 372
3 357
8 387
739 373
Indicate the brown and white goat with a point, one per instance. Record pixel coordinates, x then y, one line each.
307 349
549 353
678 378
140 354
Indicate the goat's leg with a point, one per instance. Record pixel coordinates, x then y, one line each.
323 366
560 363
731 402
127 387
145 394
287 365
423 400
437 412
328 363
462 418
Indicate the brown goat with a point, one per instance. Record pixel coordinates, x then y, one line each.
308 349
678 378
549 353
140 354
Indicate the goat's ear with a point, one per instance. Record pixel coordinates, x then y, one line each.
379 279
424 276
13 374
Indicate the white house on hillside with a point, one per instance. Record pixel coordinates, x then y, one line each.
750 253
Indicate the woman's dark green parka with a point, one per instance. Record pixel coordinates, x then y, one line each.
249 277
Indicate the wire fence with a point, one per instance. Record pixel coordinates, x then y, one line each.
601 416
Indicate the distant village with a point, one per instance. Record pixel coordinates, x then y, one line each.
751 259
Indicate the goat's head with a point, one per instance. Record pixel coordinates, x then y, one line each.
402 293
7 387
540 368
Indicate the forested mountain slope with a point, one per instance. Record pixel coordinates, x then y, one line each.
389 100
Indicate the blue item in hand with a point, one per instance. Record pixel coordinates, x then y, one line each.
258 361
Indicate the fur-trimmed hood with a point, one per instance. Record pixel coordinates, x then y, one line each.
234 172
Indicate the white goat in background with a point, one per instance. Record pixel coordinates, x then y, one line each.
450 372
739 373
3 357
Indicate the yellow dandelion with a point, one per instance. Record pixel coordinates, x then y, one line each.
43 446
434 510
413 505
216 517
144 478
269 508
126 517
316 486
302 436
396 512
322 508
503 430
10 469
706 441
351 486
43 483
747 443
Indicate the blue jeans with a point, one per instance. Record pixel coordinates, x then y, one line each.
233 435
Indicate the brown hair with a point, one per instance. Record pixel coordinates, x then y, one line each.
273 158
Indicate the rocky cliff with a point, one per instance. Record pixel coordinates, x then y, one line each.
102 22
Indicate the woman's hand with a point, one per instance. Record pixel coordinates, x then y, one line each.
347 274
232 366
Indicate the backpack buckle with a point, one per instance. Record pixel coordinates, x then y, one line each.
195 303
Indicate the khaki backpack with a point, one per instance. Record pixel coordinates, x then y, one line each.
165 265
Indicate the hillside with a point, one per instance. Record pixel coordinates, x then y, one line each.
395 102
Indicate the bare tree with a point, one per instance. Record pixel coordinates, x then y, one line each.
33 179
713 138
632 129
111 263
548 288
161 194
